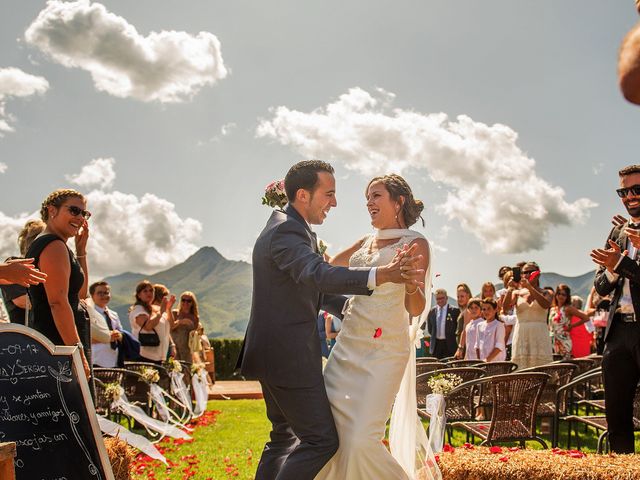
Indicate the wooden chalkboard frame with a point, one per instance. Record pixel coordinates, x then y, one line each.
74 351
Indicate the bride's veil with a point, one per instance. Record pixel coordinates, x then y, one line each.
407 437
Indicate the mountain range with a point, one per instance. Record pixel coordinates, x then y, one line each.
224 287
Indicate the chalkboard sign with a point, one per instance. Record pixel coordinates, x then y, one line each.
46 408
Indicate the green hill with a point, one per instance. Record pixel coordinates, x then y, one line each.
223 288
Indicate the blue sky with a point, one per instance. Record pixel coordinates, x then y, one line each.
504 116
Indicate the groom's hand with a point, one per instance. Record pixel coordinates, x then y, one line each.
403 268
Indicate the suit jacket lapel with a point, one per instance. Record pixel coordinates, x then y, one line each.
292 212
622 238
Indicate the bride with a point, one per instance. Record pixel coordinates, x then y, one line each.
373 361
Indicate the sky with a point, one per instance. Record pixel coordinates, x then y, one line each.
504 117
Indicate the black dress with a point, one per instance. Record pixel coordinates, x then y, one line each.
41 318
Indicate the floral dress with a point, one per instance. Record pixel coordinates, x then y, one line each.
560 322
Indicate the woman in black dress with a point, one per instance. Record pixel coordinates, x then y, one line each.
56 309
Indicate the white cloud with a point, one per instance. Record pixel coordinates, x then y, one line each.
127 233
16 83
597 168
227 128
166 66
99 173
494 190
3 167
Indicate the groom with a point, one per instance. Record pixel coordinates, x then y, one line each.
291 282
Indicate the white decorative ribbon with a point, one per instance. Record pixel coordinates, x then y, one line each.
135 412
201 392
136 441
435 407
157 397
179 389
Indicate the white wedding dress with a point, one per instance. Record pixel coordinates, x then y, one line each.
372 362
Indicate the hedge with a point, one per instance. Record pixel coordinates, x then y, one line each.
226 352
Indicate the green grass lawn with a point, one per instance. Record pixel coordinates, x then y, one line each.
231 444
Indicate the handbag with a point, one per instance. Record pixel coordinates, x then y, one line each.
148 339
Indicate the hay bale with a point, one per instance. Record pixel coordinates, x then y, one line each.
484 463
120 456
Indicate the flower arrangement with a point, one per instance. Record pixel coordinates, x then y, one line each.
443 383
173 365
322 247
150 375
112 392
274 195
197 367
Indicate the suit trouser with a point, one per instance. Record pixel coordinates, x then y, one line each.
441 349
303 434
621 373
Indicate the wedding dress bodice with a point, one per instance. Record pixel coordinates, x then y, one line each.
384 309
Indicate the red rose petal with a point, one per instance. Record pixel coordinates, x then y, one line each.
504 459
468 446
448 448
377 333
514 449
495 449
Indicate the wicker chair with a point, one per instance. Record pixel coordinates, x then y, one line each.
491 369
426 359
515 399
600 422
422 368
459 402
569 395
135 388
463 363
560 374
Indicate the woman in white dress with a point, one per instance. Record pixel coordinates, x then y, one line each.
375 348
531 342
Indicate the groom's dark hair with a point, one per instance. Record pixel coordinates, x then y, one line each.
304 175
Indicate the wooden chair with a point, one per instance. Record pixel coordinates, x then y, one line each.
515 399
560 374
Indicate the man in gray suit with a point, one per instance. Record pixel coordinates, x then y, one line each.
291 282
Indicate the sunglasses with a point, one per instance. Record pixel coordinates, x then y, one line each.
186 300
75 211
633 190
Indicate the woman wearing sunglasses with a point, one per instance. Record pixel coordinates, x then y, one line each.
56 309
187 321
531 344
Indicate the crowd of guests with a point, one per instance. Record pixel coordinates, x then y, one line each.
522 321
50 293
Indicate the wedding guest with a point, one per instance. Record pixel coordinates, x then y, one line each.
442 325
322 334
490 335
488 290
629 64
563 318
55 305
474 308
14 295
106 354
160 291
581 332
598 308
207 355
531 343
185 325
463 294
501 273
147 319
619 274
21 272
332 328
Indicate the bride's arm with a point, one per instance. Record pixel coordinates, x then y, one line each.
342 258
414 300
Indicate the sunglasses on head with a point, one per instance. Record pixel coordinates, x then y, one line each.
186 300
75 211
633 190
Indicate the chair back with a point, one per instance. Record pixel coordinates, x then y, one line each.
515 399
135 388
559 374
429 367
165 379
498 368
463 363
584 364
427 360
422 380
459 402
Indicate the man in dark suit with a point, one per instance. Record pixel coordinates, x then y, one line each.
442 323
619 272
291 282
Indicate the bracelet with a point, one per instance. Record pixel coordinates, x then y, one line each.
81 256
412 293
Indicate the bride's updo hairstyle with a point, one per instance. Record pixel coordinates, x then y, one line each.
400 191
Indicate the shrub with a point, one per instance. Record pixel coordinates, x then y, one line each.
226 353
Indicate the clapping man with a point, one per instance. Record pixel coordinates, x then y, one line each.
105 354
619 273
442 323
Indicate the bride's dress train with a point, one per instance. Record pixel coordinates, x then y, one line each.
364 373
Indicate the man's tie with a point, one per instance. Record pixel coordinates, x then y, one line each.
315 241
114 345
